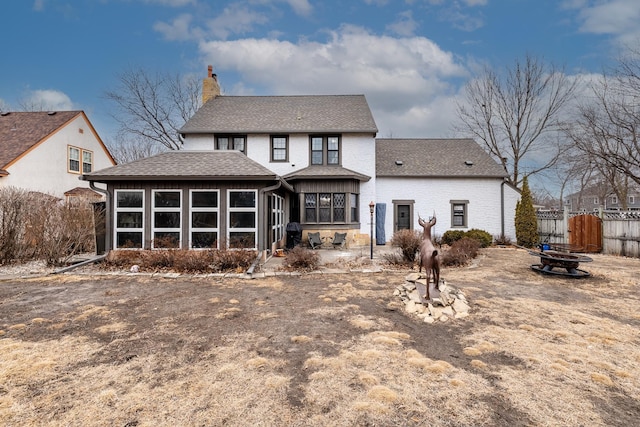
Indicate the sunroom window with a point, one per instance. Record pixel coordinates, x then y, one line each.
242 218
204 212
129 213
166 214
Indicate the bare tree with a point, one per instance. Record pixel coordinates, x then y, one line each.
607 128
127 149
153 107
517 114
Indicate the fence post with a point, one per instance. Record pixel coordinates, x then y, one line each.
565 221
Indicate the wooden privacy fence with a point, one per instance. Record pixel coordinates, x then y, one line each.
619 231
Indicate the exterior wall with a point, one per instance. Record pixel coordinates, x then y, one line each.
434 195
357 153
45 168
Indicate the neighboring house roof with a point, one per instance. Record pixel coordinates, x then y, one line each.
286 114
434 158
20 132
83 192
325 172
184 166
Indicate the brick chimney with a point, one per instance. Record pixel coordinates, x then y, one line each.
210 87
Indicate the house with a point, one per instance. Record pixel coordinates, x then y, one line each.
48 151
596 197
453 178
250 165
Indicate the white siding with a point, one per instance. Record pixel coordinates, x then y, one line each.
435 195
45 168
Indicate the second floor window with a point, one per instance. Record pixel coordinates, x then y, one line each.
231 142
279 148
325 150
80 161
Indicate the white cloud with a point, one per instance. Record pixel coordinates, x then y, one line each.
404 79
616 17
405 25
48 99
301 7
235 19
178 29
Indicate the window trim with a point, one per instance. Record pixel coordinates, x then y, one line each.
465 215
230 137
155 209
193 209
278 216
80 170
325 149
117 209
253 209
286 149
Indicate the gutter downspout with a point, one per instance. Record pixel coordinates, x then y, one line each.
107 216
502 207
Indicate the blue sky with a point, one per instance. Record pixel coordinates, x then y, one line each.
410 58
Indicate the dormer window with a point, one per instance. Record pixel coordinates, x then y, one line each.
231 142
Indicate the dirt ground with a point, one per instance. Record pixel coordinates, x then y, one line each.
87 349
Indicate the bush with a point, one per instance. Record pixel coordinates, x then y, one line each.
502 240
409 242
39 226
526 220
461 252
301 259
451 236
183 260
481 236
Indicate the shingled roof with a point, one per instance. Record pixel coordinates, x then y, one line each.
325 172
434 158
185 166
22 131
285 114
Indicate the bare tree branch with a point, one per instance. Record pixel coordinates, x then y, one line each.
153 108
516 115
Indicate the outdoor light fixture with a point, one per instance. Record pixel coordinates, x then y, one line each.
371 206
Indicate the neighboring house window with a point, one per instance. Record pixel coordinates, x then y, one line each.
79 156
166 214
632 200
231 142
459 213
325 207
614 200
203 226
129 213
325 150
277 217
279 148
595 201
242 217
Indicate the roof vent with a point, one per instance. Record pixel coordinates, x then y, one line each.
468 162
4 113
51 113
399 162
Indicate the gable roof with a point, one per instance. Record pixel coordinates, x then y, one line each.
324 173
21 131
185 166
434 158
285 114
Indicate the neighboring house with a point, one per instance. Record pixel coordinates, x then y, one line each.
48 151
252 164
594 198
453 178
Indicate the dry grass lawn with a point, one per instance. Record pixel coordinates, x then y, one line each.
86 349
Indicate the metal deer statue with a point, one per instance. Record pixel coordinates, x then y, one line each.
429 258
